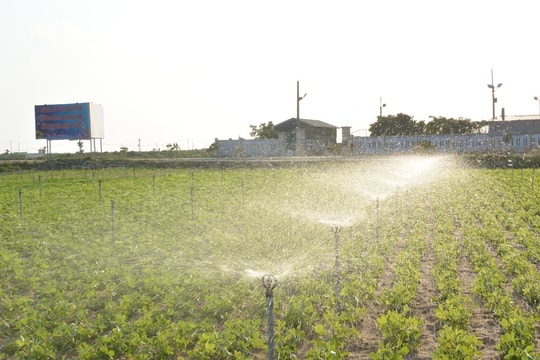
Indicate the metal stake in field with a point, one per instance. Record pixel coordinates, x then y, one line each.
336 230
99 191
192 203
243 192
378 220
269 282
20 205
112 221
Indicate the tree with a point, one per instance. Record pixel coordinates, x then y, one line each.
395 125
441 125
263 131
403 124
80 144
173 147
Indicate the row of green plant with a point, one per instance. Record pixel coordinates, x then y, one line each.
517 340
454 307
401 330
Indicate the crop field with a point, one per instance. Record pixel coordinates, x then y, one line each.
410 257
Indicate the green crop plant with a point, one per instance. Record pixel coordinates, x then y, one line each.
456 343
401 335
182 278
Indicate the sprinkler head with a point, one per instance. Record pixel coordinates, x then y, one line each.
269 282
336 228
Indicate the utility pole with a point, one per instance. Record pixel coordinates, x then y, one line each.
298 99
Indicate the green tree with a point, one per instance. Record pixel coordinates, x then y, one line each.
442 125
173 147
264 131
394 125
403 124
80 144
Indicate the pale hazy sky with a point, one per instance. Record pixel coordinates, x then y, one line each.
191 71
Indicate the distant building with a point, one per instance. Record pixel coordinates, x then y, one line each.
306 136
515 125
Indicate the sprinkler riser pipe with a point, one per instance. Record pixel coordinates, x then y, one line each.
269 282
337 229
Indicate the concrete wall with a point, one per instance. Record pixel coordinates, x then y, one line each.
251 147
356 146
444 143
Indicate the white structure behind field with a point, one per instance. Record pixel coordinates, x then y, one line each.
517 134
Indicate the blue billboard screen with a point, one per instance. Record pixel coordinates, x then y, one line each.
63 121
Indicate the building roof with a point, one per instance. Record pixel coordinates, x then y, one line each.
515 127
305 122
521 117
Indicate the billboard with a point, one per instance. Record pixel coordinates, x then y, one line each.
82 121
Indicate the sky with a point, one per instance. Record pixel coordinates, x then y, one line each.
187 72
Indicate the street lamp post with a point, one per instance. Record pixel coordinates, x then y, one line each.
493 98
381 105
537 98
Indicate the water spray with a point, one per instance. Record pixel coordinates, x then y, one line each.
269 282
336 229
